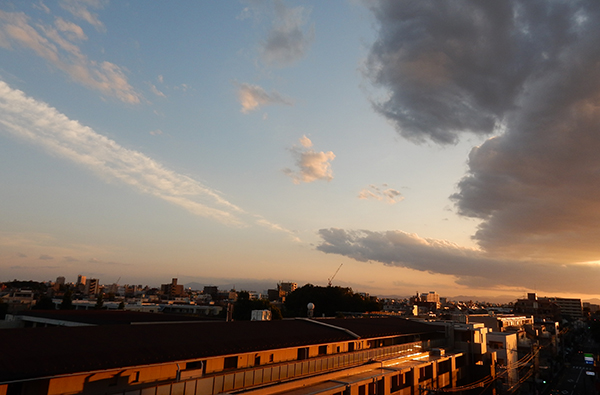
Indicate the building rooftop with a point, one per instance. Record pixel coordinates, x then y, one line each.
105 317
48 351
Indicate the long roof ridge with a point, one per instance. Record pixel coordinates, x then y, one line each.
348 331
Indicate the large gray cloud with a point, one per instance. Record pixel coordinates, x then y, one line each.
528 72
470 267
458 66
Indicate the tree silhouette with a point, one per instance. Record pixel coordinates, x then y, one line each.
242 309
45 303
67 301
99 302
328 301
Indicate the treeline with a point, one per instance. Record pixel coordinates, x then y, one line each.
327 301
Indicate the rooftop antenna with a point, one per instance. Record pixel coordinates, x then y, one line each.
330 279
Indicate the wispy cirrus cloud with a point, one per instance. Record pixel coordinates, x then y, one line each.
383 193
40 124
82 9
59 44
311 165
43 125
252 97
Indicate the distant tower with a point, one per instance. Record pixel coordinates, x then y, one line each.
311 310
80 280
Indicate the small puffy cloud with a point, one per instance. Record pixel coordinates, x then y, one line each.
45 257
252 97
290 37
70 259
390 195
156 132
59 46
311 165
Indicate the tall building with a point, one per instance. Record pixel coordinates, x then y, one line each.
172 290
549 307
92 286
80 280
288 287
60 280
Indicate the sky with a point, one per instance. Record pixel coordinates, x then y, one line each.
415 146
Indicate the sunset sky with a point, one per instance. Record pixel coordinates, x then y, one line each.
426 146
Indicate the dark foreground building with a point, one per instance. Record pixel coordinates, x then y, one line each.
298 356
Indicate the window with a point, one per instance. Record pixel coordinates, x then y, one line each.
444 366
426 372
14 389
322 350
495 345
302 353
230 363
256 360
361 390
193 365
350 346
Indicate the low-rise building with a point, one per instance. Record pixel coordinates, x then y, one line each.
296 356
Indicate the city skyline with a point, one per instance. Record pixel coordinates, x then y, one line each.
424 146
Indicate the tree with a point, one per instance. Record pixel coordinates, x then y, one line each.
328 301
67 301
242 309
45 303
99 302
121 306
3 309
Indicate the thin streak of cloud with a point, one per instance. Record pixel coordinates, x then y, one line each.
155 90
81 9
252 97
389 195
41 124
55 45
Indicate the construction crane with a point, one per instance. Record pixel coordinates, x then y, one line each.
330 279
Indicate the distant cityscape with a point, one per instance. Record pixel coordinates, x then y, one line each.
326 340
88 293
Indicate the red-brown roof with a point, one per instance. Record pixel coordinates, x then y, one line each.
39 352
